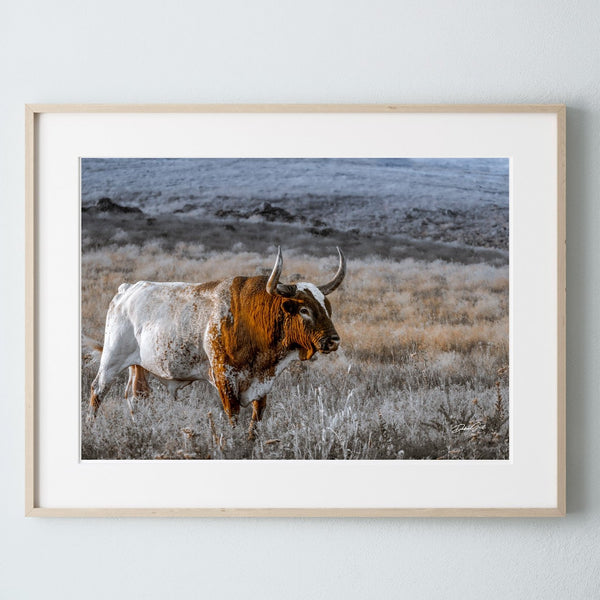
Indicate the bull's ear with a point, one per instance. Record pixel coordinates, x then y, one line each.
290 307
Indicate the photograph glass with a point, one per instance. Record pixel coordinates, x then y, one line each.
295 308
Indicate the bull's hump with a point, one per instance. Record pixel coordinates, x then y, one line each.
206 287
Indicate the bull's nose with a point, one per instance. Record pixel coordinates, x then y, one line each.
331 343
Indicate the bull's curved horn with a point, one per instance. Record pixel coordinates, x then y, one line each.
273 286
339 276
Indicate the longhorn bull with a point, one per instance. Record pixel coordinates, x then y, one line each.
238 333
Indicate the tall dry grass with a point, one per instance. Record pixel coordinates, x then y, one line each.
422 372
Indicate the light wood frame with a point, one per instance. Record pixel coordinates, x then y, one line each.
31 113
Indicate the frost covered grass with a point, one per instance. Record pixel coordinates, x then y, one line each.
421 374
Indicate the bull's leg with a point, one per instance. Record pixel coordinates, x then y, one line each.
140 383
258 407
129 386
129 393
222 375
226 385
231 406
120 350
137 387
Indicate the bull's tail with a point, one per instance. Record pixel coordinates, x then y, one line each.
91 350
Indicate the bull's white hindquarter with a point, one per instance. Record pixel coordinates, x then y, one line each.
158 326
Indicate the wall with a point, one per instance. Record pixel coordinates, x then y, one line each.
311 51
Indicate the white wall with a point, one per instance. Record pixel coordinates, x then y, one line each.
308 51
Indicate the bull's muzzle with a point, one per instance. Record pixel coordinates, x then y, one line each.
329 343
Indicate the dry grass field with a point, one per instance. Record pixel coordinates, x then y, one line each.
422 372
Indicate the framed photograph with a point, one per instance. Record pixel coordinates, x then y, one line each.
295 310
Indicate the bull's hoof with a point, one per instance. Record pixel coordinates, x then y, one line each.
252 435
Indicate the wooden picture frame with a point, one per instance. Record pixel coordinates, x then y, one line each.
467 118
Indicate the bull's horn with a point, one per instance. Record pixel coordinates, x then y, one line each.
339 277
273 286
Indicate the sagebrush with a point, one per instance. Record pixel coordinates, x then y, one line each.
422 372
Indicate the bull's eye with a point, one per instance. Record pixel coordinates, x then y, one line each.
305 312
